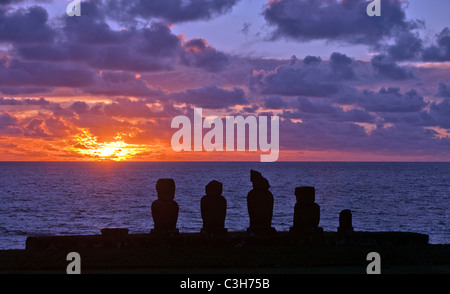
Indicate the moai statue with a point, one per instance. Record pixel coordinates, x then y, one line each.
213 209
260 205
306 211
165 209
345 222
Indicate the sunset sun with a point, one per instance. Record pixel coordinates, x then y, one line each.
90 148
106 151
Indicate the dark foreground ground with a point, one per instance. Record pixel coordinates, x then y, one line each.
238 253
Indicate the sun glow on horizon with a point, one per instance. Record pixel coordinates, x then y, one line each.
87 145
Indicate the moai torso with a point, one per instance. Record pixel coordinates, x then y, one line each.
306 211
260 203
165 209
213 207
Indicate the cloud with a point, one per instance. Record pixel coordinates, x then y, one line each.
306 109
92 41
413 119
410 47
342 21
341 66
146 75
9 125
310 77
25 26
150 49
44 74
197 53
16 102
79 107
385 100
321 135
246 28
7 2
25 90
172 11
274 102
35 128
440 51
444 90
120 83
6 120
386 67
407 46
395 140
440 113
211 97
124 107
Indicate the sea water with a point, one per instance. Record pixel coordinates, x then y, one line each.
71 198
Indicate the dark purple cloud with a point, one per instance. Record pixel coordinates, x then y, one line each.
407 139
444 90
274 102
342 66
119 107
211 97
398 139
6 120
118 83
7 2
21 73
25 26
197 53
407 46
343 21
413 119
25 90
173 11
385 100
124 107
150 49
387 67
91 40
321 135
440 113
410 47
11 101
310 77
307 109
9 125
79 107
440 51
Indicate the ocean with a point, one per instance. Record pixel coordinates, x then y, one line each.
71 198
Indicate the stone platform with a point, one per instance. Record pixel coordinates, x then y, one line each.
121 239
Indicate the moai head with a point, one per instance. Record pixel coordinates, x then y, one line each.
165 189
305 195
214 188
259 182
345 219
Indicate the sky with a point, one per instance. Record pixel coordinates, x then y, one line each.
106 85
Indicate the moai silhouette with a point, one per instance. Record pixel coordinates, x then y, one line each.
213 209
165 209
345 222
260 205
306 211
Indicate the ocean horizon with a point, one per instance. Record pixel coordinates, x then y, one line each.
70 198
